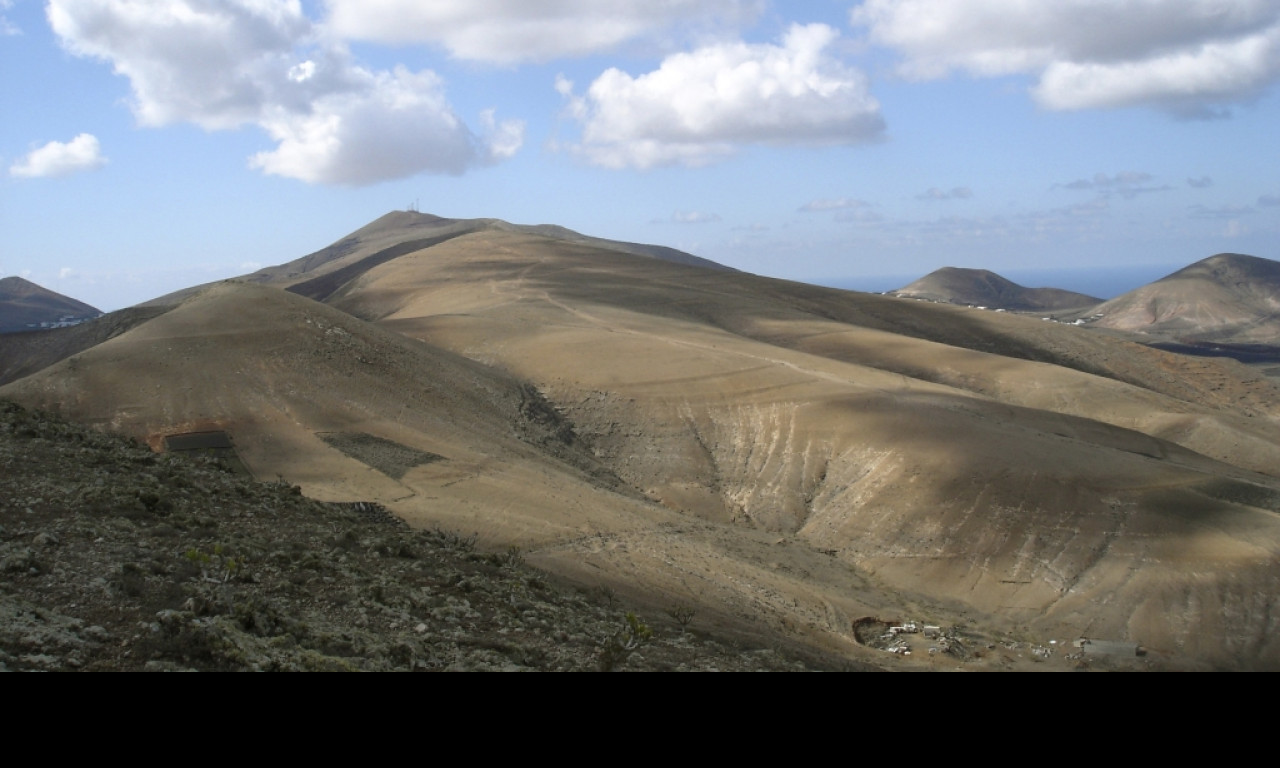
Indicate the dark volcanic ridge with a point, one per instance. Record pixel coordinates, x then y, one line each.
25 306
980 287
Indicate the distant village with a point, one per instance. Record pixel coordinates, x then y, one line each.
1050 319
66 321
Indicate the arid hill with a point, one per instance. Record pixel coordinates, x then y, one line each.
23 304
399 232
979 287
118 559
1229 298
791 459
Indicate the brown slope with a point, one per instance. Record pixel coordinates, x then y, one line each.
1017 487
1229 298
319 274
979 287
23 303
283 376
280 373
973 462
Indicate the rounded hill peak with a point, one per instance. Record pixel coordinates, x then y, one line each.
982 287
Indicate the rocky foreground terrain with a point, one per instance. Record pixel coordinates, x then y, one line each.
115 558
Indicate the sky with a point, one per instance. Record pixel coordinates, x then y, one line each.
150 145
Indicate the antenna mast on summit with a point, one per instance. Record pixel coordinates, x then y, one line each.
413 207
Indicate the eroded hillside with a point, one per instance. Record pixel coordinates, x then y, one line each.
791 459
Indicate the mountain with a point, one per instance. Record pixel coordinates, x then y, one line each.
401 232
791 460
979 287
25 305
1228 298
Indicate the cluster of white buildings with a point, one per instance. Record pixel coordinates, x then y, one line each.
66 321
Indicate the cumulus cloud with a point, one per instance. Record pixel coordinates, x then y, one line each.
399 125
941 195
1204 182
1187 56
83 153
507 31
701 106
1128 184
222 65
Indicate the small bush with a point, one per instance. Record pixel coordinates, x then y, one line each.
619 646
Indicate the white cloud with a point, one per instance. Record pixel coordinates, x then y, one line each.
1188 56
1226 212
398 126
836 204
1127 184
511 31
701 106
213 64
83 153
941 195
694 217
1074 222
226 64
7 27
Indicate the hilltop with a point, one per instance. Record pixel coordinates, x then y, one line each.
25 306
980 287
1227 298
401 232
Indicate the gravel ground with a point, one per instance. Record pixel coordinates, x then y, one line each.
114 558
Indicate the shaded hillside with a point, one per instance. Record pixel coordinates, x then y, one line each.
781 407
1229 298
791 459
24 304
979 287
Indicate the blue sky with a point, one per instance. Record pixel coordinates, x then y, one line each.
148 145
